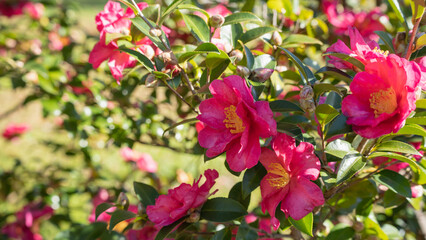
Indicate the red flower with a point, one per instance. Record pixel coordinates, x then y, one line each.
234 122
290 172
143 161
182 200
13 131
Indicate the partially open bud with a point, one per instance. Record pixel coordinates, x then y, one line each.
237 54
276 39
194 217
262 74
216 21
307 105
243 71
151 81
169 58
307 93
123 201
155 32
148 51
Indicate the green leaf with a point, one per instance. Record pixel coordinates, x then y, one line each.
397 9
194 8
245 232
145 193
392 200
252 178
197 26
364 207
166 230
307 74
337 126
351 164
118 216
348 59
421 103
394 181
255 33
341 232
339 148
169 10
224 234
417 8
386 39
202 48
237 194
335 72
215 60
325 114
231 34
249 57
301 39
102 208
140 57
372 228
241 17
222 210
416 120
411 129
189 120
284 106
144 28
264 61
396 146
305 224
413 164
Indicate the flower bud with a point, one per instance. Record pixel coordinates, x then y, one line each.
216 21
148 51
307 105
262 74
155 32
151 81
169 58
276 39
194 217
237 54
307 93
243 71
141 209
123 200
358 226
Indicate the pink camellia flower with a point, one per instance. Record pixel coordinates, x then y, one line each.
35 10
416 191
101 197
234 122
367 23
383 96
391 164
13 131
421 62
143 161
182 201
127 154
12 8
362 51
290 172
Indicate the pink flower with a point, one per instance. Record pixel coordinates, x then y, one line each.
56 42
128 154
421 62
148 232
290 172
13 131
143 161
383 96
416 191
392 164
182 200
35 10
234 122
362 51
367 23
12 8
101 197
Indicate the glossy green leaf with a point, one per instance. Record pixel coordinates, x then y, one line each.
241 17
336 73
102 208
351 164
411 129
341 231
203 48
421 103
169 10
264 61
197 26
394 181
305 224
140 57
386 39
339 148
364 207
256 33
224 234
301 39
413 164
348 59
145 193
252 178
396 146
391 199
194 9
236 193
307 74
417 8
416 120
372 228
144 28
284 106
245 232
118 216
337 126
231 34
397 9
325 114
222 210
249 57
166 230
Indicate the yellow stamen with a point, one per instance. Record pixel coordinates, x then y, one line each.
383 101
282 178
232 121
384 53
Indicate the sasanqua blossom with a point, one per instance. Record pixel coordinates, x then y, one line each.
290 170
234 122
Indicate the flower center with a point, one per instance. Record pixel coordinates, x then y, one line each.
232 121
383 101
282 178
384 53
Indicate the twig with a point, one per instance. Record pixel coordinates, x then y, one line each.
185 76
180 97
413 35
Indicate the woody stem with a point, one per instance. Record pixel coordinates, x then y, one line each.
413 35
